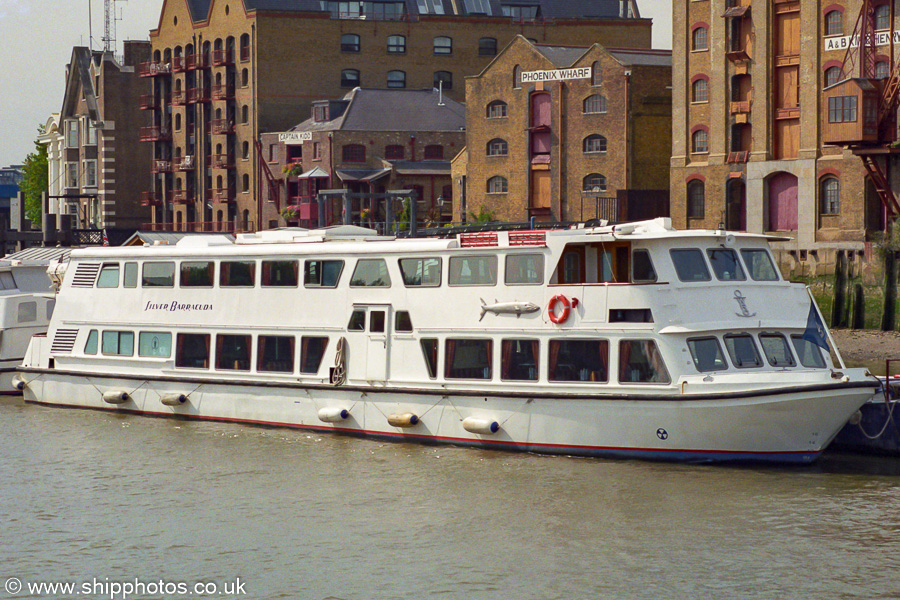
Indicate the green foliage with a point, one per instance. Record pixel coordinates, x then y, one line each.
484 216
36 180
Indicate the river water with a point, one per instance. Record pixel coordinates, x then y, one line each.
97 498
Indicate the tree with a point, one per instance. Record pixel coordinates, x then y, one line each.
36 180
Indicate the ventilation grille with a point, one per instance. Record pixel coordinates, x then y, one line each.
85 275
63 341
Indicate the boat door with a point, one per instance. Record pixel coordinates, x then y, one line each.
373 322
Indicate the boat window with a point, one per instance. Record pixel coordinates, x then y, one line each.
689 265
370 272
403 322
759 264
155 343
742 351
233 352
519 360
27 312
312 350
776 349
376 321
192 350
725 264
237 273
120 343
90 346
109 276
572 271
707 354
7 281
196 274
51 304
641 362
468 359
473 270
642 270
421 272
430 350
158 274
275 353
810 354
579 360
129 279
630 315
322 273
357 321
280 273
524 269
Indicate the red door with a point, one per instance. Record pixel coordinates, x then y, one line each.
783 202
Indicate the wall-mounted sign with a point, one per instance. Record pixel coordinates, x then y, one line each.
295 137
558 75
882 38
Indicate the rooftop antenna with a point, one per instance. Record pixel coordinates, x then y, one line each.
109 25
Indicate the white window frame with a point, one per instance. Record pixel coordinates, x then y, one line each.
90 173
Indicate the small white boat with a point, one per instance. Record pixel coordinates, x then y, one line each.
646 341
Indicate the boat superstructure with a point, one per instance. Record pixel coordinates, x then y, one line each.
627 340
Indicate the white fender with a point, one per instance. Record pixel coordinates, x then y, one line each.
482 426
333 414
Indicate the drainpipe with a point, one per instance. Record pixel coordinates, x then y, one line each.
330 163
255 133
628 116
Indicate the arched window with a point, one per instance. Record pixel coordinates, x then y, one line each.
595 104
882 69
443 80
700 142
700 91
245 77
246 182
696 199
349 42
497 185
353 153
700 39
596 74
396 44
394 151
443 45
396 79
177 121
832 75
594 143
496 109
245 150
497 147
487 46
434 152
245 114
349 78
245 47
595 182
517 77
882 16
834 23
831 196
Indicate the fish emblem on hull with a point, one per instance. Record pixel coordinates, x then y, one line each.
508 308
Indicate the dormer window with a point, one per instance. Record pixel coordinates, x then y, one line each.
478 7
430 7
320 113
520 12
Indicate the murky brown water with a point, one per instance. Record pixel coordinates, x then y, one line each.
86 494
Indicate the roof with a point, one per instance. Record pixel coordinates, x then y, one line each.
422 167
38 254
650 58
347 175
80 83
562 56
139 238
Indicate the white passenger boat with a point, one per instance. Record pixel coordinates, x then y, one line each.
632 341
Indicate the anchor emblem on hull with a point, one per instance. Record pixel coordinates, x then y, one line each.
742 304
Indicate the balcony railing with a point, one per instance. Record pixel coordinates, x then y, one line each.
195 95
222 195
222 161
740 107
161 165
203 226
186 163
179 98
245 53
181 196
154 69
196 61
221 126
150 199
148 102
223 91
221 58
178 64
155 133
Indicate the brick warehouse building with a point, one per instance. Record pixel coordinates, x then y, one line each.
224 71
566 133
748 121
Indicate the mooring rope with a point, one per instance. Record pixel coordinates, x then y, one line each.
339 374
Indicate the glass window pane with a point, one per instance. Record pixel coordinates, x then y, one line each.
126 343
27 312
689 265
280 273
430 351
233 352
642 267
237 274
90 347
158 274
404 322
109 276
579 360
742 351
376 321
155 343
357 321
810 355
468 359
196 274
129 279
275 353
424 272
192 350
473 270
641 362
760 264
524 269
519 360
776 349
110 342
322 273
725 264
707 354
312 350
370 272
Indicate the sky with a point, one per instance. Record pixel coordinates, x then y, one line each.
37 37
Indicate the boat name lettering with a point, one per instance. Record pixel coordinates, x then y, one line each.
176 306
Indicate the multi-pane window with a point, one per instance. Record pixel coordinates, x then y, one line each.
443 80
482 7
487 46
434 152
831 196
394 151
431 7
701 91
594 104
496 109
700 142
832 75
696 199
883 16
353 153
396 79
71 134
71 174
396 44
443 45
842 109
91 131
834 23
497 147
595 182
520 12
497 185
596 74
700 39
594 143
322 273
119 343
882 69
349 78
349 42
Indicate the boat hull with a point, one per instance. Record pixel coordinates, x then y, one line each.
783 426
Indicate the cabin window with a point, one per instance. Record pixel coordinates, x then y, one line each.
90 346
776 349
237 273
158 274
109 276
51 304
641 362
275 353
119 343
742 351
192 350
155 344
421 272
579 360
322 273
27 312
473 270
760 265
233 352
280 273
129 278
630 315
370 272
642 270
519 360
571 269
357 321
689 265
403 322
468 359
196 274
810 354
725 264
312 350
842 109
707 354
376 321
7 281
524 269
430 351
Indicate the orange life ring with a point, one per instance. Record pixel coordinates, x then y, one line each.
564 315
